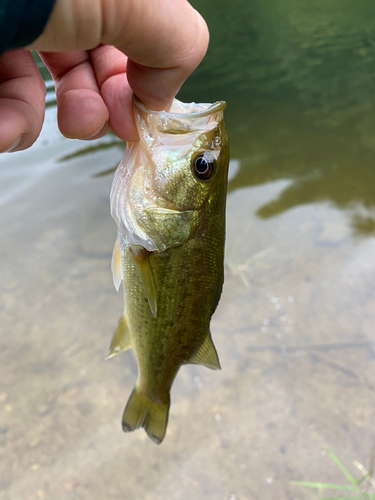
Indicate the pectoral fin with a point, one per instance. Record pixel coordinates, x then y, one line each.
116 265
142 260
206 355
121 340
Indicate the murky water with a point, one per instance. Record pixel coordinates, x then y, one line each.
295 328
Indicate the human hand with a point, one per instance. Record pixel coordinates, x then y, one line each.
100 52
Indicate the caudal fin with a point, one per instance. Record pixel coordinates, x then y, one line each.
141 411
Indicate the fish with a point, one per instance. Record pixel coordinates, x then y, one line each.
168 200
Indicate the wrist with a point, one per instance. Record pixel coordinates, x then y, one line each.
73 25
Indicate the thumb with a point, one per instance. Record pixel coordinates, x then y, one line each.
164 41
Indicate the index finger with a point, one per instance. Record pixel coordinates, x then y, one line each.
81 111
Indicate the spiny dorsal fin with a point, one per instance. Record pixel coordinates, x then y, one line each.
206 355
121 340
142 260
116 265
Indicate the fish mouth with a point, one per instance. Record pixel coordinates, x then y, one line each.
181 110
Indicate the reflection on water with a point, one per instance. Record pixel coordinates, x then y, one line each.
299 81
294 328
86 150
326 164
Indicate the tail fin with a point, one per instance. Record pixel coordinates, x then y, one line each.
141 411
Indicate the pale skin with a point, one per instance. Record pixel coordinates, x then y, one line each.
100 53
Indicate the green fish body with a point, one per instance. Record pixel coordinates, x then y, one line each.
168 200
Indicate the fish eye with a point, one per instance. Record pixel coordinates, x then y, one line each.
203 166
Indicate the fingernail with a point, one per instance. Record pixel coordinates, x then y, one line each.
14 145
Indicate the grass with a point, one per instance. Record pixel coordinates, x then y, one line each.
355 486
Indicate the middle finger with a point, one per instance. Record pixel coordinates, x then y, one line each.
81 111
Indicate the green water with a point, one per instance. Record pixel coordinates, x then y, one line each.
299 81
295 329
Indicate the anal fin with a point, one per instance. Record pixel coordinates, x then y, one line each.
142 261
121 340
206 355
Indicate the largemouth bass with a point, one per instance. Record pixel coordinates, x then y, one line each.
168 200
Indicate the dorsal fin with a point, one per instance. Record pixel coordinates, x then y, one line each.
206 355
121 340
116 265
142 261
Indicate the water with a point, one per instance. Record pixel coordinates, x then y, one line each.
294 328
